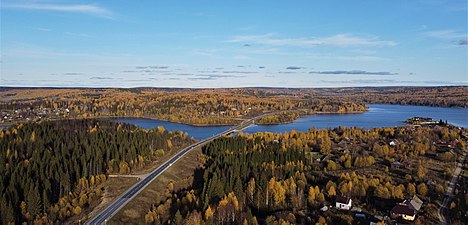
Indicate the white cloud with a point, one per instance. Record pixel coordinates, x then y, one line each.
339 40
78 34
242 57
367 58
83 8
446 34
42 29
359 58
205 52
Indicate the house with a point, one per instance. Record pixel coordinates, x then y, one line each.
403 211
407 210
415 203
343 203
399 165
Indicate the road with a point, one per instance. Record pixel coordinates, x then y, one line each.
442 212
106 214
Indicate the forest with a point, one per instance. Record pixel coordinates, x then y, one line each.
196 108
53 166
203 107
53 170
442 96
267 178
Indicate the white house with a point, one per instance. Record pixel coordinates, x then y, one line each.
343 203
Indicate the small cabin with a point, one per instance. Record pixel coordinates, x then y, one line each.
403 211
344 203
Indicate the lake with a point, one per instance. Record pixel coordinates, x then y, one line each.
379 115
198 133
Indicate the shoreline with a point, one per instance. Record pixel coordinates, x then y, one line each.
9 124
309 114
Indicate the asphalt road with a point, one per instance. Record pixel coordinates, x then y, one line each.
106 214
443 213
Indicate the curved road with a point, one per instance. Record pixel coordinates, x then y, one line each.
103 216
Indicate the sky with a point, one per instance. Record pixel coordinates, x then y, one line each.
233 43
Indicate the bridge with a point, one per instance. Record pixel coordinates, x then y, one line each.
108 212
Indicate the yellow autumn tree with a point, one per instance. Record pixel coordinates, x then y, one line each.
311 196
279 194
332 191
208 213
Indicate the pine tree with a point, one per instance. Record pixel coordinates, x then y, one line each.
34 201
178 219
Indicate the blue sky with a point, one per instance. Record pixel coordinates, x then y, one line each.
123 43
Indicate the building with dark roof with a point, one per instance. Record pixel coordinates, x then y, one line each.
407 210
403 211
343 202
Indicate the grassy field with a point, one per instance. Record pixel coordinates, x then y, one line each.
115 186
180 174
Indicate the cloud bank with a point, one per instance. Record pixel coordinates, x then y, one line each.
294 68
79 8
352 72
339 40
445 34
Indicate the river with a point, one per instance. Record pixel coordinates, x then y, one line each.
379 115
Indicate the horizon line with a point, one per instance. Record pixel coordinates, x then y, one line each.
242 87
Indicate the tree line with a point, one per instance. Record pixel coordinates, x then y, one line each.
52 170
204 107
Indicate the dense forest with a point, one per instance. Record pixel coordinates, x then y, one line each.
267 178
423 96
52 170
279 118
444 96
212 106
196 108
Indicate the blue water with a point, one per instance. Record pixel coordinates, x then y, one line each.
198 133
379 115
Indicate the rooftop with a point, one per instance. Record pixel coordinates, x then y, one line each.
403 209
341 199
